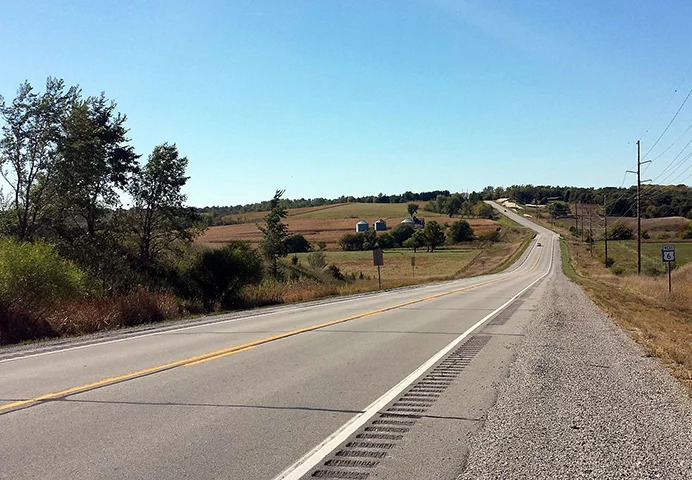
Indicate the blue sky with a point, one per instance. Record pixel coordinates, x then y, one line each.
328 98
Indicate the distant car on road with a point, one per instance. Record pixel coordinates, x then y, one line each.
538 244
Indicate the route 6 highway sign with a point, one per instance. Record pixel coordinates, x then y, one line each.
668 253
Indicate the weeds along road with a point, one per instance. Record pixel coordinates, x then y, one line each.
386 385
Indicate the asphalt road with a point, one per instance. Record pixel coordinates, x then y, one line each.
386 385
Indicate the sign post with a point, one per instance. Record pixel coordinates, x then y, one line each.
668 256
378 260
413 265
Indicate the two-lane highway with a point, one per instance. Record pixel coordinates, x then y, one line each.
259 396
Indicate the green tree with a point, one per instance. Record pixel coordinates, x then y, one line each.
412 209
558 209
274 232
460 231
453 205
160 217
483 210
434 235
386 240
416 241
402 232
95 161
29 156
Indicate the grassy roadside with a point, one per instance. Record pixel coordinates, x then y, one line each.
641 305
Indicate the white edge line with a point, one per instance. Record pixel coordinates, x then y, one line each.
314 456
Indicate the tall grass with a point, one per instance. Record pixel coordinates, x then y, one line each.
655 290
80 316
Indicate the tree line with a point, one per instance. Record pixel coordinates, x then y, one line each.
657 200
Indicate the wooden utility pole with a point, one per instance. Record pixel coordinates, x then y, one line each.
582 222
576 218
605 234
639 206
590 235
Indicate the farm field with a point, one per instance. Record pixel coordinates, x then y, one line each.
624 252
327 224
657 228
397 263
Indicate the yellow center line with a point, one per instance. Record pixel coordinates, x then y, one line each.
205 357
217 356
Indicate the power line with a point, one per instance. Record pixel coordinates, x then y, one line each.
669 124
684 77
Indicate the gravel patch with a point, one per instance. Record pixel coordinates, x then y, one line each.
582 400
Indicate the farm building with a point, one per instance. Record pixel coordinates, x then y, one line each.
380 225
415 222
362 226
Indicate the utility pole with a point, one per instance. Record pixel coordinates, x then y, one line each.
582 222
576 218
590 235
605 234
639 206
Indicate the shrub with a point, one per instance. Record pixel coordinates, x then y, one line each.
317 260
335 272
490 236
297 244
219 274
33 275
687 232
620 231
460 231
351 242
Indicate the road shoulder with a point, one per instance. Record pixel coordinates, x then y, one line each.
583 400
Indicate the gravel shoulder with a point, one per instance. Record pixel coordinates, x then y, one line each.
582 400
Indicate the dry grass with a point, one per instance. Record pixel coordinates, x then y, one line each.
660 321
78 317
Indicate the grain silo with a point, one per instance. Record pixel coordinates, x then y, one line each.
380 225
362 226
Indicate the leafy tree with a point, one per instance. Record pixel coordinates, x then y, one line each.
297 244
483 210
369 239
434 235
386 240
274 232
402 232
160 217
453 205
460 231
558 209
29 151
95 161
412 209
417 240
